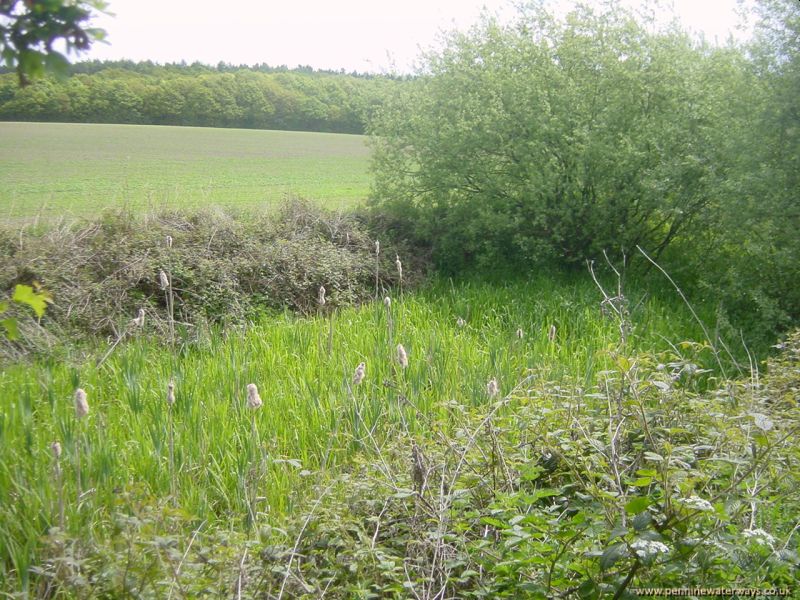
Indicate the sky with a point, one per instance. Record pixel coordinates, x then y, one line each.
376 36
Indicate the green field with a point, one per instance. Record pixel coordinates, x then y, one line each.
57 169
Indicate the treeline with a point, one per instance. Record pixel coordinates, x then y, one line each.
258 97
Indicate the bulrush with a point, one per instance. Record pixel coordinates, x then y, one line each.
551 335
491 388
81 405
399 266
321 296
55 448
253 399
139 320
461 322
163 280
358 376
520 333
171 393
402 357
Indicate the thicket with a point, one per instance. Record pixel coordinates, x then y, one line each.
550 140
227 96
223 267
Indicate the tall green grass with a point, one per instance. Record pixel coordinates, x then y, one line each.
311 408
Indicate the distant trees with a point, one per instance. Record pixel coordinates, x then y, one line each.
125 92
550 140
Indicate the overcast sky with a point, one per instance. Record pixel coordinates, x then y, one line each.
356 35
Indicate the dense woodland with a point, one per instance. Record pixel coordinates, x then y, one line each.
260 97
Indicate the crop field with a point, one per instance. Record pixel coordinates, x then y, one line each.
56 169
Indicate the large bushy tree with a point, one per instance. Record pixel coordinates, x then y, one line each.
555 139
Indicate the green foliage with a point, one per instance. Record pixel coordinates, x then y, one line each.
642 475
25 295
549 141
28 31
224 267
189 95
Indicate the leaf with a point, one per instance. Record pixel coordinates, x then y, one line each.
642 482
494 522
642 521
637 505
24 294
10 325
612 554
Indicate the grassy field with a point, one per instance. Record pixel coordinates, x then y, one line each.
225 456
55 169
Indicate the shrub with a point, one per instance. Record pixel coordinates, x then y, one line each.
222 266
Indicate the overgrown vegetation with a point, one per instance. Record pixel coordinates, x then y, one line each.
547 463
549 141
223 268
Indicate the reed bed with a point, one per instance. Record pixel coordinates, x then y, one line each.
229 454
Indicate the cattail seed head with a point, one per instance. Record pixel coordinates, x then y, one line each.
461 322
253 399
520 333
171 393
81 405
402 357
139 320
377 247
321 296
551 335
163 280
399 266
361 371
491 388
169 241
387 302
55 448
